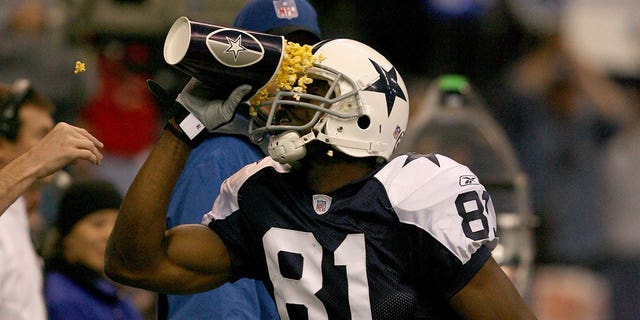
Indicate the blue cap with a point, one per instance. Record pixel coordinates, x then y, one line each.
281 16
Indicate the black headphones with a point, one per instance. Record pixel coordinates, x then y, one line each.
9 122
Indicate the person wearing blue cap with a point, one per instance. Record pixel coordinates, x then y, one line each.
289 18
228 150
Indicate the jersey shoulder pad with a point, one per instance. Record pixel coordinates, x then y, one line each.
443 198
227 201
414 171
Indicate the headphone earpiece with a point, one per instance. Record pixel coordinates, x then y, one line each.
9 122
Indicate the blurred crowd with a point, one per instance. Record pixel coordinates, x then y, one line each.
560 78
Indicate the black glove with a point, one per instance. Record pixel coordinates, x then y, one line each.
195 109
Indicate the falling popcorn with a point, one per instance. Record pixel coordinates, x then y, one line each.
80 67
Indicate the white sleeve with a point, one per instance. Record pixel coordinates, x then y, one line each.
443 198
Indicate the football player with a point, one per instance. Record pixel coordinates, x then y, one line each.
334 227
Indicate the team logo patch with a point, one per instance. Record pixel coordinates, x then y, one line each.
468 180
388 85
234 48
321 203
285 9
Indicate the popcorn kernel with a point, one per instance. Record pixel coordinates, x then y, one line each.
80 67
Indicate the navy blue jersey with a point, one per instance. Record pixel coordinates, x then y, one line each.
397 244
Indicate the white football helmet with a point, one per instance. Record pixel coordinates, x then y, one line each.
363 114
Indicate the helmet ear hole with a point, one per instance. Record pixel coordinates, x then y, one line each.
364 122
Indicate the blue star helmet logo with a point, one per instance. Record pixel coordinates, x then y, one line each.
387 84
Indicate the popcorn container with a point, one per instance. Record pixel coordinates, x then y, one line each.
221 57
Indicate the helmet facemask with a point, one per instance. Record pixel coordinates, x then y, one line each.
323 97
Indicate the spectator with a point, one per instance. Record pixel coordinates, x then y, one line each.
561 109
603 37
31 148
559 132
75 284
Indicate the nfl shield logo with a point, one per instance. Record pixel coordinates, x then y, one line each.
321 203
285 9
396 133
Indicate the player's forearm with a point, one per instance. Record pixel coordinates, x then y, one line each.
135 246
15 178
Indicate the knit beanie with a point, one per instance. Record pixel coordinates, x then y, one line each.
83 198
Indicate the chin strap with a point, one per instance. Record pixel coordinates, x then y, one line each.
371 147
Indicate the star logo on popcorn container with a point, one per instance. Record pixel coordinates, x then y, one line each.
235 48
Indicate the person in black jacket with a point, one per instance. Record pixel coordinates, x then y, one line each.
75 284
